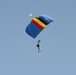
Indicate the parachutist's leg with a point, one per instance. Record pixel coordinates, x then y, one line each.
39 50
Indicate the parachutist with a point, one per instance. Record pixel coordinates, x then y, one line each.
38 45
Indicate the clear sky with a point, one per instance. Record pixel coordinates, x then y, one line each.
18 51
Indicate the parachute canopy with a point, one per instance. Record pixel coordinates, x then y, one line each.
37 25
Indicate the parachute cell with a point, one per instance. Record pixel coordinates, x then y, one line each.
37 25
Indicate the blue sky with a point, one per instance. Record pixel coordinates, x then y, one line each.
18 52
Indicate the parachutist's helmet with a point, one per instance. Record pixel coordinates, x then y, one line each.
39 40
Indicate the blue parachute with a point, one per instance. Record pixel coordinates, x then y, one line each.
37 25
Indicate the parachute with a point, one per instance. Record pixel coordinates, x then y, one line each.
37 25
